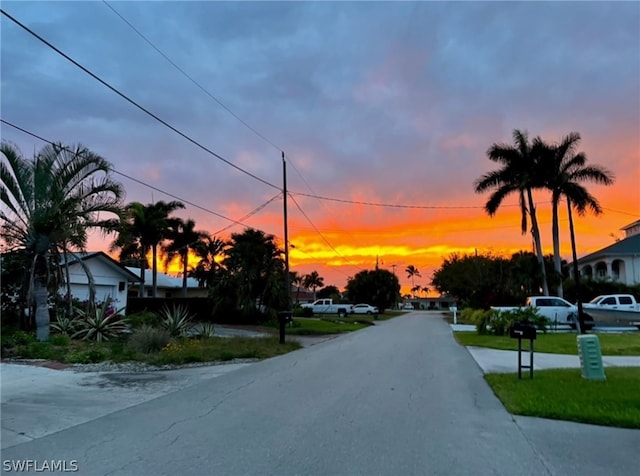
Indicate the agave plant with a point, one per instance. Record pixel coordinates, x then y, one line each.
206 329
64 324
105 324
177 320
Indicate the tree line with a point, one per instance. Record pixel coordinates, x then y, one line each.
51 201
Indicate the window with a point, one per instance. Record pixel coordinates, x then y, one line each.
122 285
610 301
625 300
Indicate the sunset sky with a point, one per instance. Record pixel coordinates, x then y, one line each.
384 111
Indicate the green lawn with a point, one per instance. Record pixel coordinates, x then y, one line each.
560 343
563 394
306 326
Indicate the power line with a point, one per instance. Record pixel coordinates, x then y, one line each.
134 103
235 222
202 88
322 236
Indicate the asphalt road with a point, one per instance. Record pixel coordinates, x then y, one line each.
399 398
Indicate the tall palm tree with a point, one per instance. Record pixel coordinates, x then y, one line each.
520 174
296 280
313 281
412 271
210 251
183 237
256 269
144 228
49 202
565 169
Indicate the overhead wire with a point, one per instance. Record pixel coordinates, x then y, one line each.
321 235
190 78
169 194
134 103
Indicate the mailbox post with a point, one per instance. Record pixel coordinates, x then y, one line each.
523 330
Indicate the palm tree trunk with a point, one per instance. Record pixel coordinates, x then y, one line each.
40 295
557 264
576 272
68 282
154 259
185 262
536 239
143 265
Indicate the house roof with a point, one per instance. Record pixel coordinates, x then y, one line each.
628 246
630 225
105 258
165 281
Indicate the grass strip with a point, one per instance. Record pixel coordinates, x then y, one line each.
556 343
562 394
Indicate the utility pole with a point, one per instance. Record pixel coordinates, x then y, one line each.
288 314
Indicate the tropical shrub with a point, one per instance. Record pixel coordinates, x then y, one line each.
64 324
147 339
206 329
143 318
497 323
177 320
105 324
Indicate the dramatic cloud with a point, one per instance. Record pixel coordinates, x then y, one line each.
381 102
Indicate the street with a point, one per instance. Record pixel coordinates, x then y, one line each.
398 398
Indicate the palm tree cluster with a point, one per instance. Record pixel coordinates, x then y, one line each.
49 203
530 165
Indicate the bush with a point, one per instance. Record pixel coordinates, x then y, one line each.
143 318
104 325
91 355
64 325
205 329
148 339
497 323
59 340
177 320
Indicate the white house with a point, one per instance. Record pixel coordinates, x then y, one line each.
167 286
617 262
111 279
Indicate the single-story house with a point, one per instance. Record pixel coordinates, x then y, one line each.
111 279
617 262
167 286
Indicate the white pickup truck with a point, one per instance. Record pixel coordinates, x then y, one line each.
326 306
614 308
556 309
626 302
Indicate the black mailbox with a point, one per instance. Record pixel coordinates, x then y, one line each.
285 316
522 330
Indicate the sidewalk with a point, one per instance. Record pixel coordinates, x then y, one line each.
506 361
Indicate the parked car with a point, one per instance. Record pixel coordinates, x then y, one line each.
407 306
364 309
556 309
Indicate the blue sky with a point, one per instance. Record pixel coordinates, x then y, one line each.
393 102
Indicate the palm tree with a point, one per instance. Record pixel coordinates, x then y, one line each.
49 203
296 280
520 173
183 237
416 289
411 272
256 271
313 281
144 228
209 250
565 169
